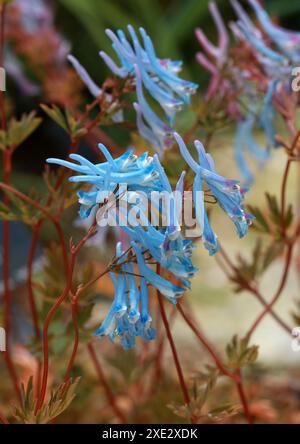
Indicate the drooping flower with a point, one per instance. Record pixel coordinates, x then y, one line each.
132 180
215 57
128 316
250 77
227 192
158 77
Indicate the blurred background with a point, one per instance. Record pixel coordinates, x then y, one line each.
170 23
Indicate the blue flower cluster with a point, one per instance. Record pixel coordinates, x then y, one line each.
277 51
165 245
129 316
157 76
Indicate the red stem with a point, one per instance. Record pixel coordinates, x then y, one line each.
236 377
74 308
109 394
159 353
243 397
3 419
7 157
251 289
32 304
68 288
278 292
48 319
205 343
183 385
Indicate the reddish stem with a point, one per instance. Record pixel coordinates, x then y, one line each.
68 288
109 394
251 289
48 319
278 292
74 308
243 397
3 419
159 353
183 385
205 343
7 157
32 304
236 377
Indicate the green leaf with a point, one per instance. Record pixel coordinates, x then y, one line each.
59 401
271 254
65 120
273 208
55 113
18 131
240 354
260 223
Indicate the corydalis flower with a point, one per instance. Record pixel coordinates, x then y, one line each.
215 57
158 76
248 88
277 51
273 45
151 244
227 192
128 316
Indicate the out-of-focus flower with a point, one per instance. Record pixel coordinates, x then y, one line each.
34 39
215 57
250 77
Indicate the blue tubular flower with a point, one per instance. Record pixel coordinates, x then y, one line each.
209 238
157 76
244 138
160 132
226 191
131 272
277 51
124 320
170 291
128 316
287 41
161 73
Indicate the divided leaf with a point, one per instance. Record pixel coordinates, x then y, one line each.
240 354
59 401
18 131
